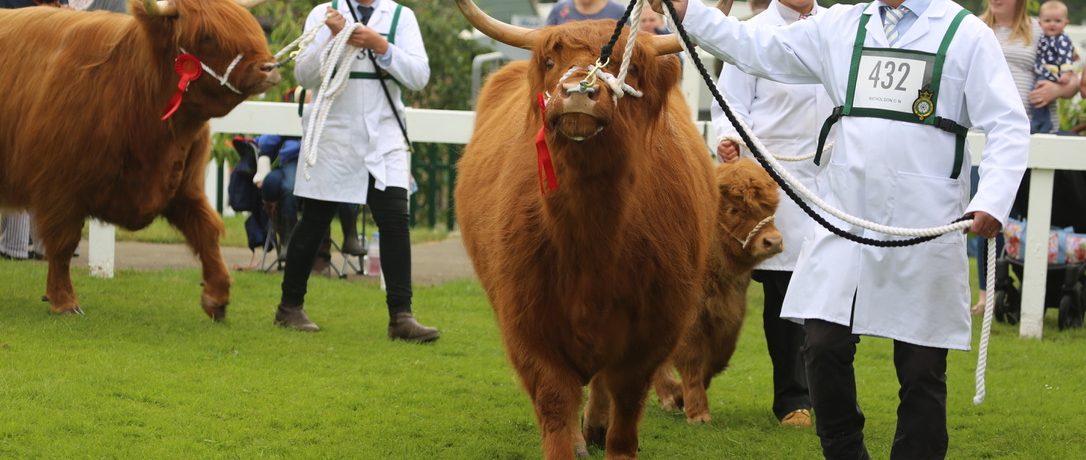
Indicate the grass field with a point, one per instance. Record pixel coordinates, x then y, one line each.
145 375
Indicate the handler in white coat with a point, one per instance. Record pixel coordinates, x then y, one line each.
907 83
362 156
787 119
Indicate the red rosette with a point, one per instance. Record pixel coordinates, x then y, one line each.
188 68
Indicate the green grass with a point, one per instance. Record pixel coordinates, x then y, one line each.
160 231
145 375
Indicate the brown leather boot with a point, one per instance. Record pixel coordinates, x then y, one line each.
293 317
402 326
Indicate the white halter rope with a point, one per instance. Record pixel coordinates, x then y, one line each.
336 60
884 229
223 79
755 230
301 43
739 142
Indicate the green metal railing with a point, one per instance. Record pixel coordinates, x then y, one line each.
434 169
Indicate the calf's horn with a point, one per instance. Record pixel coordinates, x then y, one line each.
159 8
248 4
520 37
665 44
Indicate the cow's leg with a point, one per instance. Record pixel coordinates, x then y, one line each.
597 413
628 388
695 400
61 238
580 448
202 226
556 396
667 388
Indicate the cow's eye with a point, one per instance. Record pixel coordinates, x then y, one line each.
548 63
733 211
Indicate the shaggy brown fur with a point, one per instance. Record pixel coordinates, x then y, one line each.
748 195
80 128
595 280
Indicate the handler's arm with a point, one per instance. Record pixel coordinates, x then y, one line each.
786 54
992 105
307 65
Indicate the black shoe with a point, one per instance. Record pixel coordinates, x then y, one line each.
352 245
6 256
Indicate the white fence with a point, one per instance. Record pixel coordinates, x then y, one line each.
1047 153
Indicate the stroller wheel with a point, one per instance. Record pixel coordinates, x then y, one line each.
1071 309
1007 305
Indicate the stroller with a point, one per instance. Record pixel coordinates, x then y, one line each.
1066 285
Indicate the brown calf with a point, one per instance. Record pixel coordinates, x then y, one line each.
748 197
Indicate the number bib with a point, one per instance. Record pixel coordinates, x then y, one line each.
897 84
896 81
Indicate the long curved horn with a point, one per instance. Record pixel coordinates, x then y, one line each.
520 37
159 8
248 4
666 44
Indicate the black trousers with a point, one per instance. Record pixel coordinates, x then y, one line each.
784 340
389 208
921 412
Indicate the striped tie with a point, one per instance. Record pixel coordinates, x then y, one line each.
889 22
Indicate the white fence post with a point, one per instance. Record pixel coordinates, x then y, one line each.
1035 272
101 253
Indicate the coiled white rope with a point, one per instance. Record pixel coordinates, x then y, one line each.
336 60
982 360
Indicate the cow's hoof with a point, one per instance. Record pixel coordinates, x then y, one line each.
670 404
71 310
596 436
215 312
698 419
580 450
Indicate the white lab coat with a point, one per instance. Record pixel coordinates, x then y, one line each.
361 136
787 119
891 172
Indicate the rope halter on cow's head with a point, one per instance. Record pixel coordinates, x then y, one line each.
525 38
754 231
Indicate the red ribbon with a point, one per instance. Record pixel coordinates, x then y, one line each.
188 67
548 182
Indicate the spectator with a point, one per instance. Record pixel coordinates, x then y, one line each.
652 22
1054 51
899 147
15 235
1018 36
580 10
762 104
363 156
